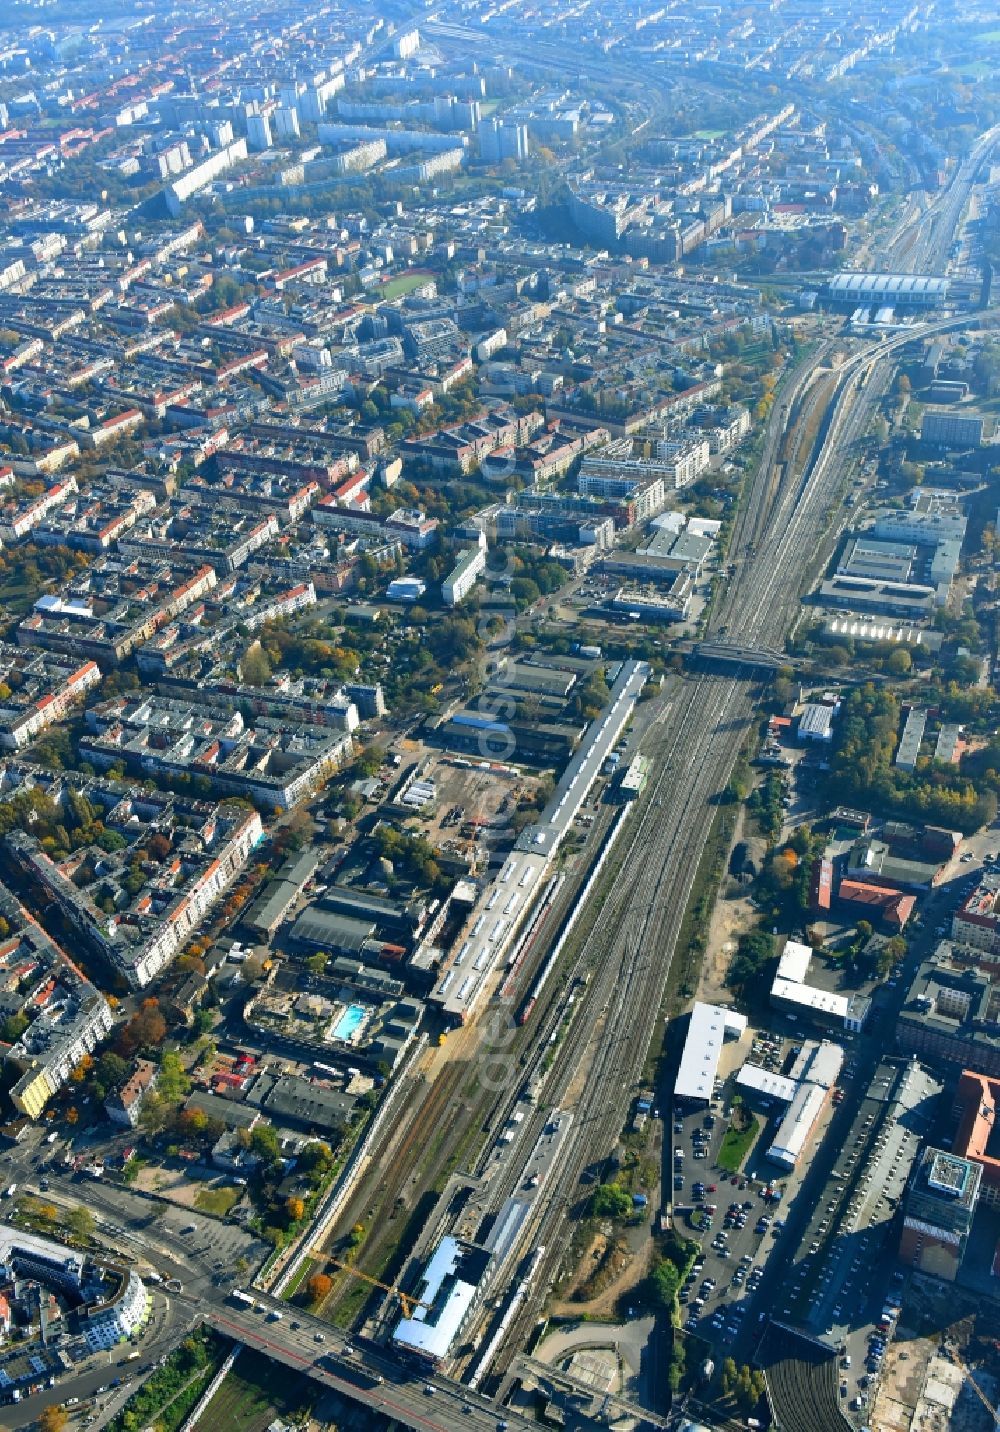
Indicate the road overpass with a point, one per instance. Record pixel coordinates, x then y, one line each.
310 1346
720 653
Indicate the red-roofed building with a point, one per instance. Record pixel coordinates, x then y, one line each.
821 884
978 1136
890 908
125 1105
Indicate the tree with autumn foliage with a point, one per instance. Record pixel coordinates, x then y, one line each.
318 1287
147 1029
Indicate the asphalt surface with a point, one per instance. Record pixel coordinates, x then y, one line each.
204 1262
732 1256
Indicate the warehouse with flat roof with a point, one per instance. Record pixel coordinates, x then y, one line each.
794 961
757 1083
326 930
796 1128
908 749
709 1027
816 722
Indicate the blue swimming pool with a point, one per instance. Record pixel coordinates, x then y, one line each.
349 1022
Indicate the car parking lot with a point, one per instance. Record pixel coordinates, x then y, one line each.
734 1217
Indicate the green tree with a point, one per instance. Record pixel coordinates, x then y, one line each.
315 1155
14 1026
524 591
610 1200
895 949
265 1143
900 663
663 1285
80 1221
173 1084
678 1363
754 953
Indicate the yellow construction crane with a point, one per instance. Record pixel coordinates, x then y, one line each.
406 1300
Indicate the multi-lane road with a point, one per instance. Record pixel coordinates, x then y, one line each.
362 1372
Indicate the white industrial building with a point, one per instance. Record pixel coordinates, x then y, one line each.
794 961
818 1063
804 1090
900 290
808 999
816 722
790 993
709 1028
796 1128
764 1085
933 521
405 589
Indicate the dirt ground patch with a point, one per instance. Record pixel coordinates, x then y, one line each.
732 915
630 1272
609 1267
174 1185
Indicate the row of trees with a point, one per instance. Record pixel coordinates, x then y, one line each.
745 1386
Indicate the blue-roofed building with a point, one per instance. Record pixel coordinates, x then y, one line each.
447 1293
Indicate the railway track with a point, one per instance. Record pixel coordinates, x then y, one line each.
409 1160
634 941
921 246
630 949
384 1208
